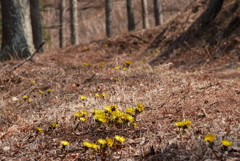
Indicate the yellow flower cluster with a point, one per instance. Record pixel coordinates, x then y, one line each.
211 137
112 115
81 115
91 145
109 142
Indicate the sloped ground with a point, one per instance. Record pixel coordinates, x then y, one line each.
204 89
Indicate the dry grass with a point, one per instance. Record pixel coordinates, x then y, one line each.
201 84
209 98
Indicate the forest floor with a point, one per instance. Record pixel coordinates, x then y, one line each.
38 101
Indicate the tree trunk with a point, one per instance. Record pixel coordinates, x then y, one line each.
36 24
145 14
130 16
16 28
108 8
157 12
74 22
62 8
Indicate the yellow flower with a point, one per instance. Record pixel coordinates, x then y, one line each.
139 109
124 68
95 146
114 107
49 90
29 100
121 139
86 64
134 125
108 108
101 118
179 124
102 141
128 62
87 144
25 97
84 112
110 142
130 110
97 95
104 94
39 129
54 125
33 82
129 118
64 143
140 105
116 79
101 64
209 138
83 97
117 67
187 123
77 114
40 91
82 119
97 111
226 143
106 45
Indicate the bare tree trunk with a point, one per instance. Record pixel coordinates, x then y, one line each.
26 23
145 14
74 21
36 24
108 8
157 12
130 15
16 28
62 9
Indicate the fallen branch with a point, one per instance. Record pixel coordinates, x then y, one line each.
27 59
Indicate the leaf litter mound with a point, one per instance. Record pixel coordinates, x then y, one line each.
200 84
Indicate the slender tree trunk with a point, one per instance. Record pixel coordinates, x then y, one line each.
74 21
130 15
26 23
157 12
36 24
145 14
108 8
62 8
16 29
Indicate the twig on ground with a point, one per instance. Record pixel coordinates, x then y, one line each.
27 59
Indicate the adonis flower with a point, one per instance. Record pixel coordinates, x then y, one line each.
209 138
119 138
102 141
83 97
226 143
64 143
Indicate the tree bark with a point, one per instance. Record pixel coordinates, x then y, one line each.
74 22
108 8
62 9
157 12
16 28
145 14
130 16
36 24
